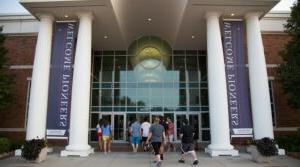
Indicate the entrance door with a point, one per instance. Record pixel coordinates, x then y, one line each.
119 127
179 124
130 117
194 121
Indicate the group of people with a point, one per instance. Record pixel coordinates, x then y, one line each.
160 134
140 132
104 135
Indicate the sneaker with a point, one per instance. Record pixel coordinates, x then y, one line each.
158 164
195 162
181 161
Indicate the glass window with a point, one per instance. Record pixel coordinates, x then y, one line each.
97 68
204 97
194 97
107 97
204 120
95 97
272 102
179 65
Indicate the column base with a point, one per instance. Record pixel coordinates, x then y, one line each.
215 153
81 153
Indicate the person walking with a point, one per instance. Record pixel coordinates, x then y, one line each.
157 136
187 146
145 132
99 134
135 130
106 136
170 134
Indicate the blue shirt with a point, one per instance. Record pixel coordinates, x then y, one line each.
136 129
105 130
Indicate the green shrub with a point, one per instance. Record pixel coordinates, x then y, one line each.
15 144
266 146
289 143
5 145
32 148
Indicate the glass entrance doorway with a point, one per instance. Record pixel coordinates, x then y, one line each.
120 123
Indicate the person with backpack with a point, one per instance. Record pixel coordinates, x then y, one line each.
99 134
106 136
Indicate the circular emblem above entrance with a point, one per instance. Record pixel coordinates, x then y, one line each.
149 48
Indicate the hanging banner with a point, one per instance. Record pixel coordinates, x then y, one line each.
240 118
61 75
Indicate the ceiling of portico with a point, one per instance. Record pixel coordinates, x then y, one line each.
123 21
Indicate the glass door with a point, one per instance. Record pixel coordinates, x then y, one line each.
179 124
119 127
194 121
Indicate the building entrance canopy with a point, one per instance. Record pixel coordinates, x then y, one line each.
117 23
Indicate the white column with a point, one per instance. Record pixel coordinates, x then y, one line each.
218 105
79 122
260 97
37 113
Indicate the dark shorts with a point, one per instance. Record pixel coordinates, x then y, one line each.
144 139
186 147
156 147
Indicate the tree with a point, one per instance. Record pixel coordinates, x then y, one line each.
6 79
289 71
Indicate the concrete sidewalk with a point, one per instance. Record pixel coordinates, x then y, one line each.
128 159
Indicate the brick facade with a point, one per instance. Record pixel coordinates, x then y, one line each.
285 116
21 52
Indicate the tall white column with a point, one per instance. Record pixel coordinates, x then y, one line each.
260 97
218 105
79 122
37 113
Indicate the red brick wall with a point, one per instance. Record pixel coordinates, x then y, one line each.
286 116
20 52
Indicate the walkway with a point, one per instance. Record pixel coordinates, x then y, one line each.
123 159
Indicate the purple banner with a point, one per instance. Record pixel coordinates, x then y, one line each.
240 118
60 85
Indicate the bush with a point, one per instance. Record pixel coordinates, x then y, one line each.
32 148
5 145
266 146
15 145
289 143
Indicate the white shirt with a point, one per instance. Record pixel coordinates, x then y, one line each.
145 126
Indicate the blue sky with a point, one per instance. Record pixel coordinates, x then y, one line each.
13 6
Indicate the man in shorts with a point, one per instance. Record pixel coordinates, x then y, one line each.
135 131
157 136
187 146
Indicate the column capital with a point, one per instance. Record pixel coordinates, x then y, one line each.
212 14
89 15
47 16
252 14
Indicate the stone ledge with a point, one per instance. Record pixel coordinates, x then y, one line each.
81 153
6 155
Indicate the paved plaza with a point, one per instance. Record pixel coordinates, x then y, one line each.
141 159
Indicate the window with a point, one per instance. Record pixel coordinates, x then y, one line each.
272 102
